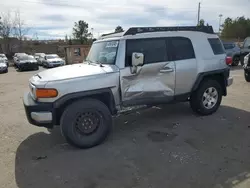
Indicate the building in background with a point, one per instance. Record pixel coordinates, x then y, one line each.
75 53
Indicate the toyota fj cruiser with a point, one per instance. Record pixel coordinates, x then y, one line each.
142 66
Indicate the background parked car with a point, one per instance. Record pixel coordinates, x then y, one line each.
244 50
3 56
52 60
39 57
232 50
3 66
27 62
16 56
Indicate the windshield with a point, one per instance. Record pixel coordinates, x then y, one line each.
103 52
26 57
51 56
2 55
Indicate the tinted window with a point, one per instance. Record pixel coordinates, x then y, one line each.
154 50
216 46
228 46
181 48
246 43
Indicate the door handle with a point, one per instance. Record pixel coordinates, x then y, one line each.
166 69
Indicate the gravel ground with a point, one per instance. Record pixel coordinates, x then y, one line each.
167 146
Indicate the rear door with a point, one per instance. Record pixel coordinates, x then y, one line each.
182 53
154 81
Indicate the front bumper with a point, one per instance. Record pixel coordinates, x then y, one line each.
27 65
37 113
3 69
52 65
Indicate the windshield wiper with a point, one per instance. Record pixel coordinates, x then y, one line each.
95 62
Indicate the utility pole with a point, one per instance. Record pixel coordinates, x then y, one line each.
199 10
220 16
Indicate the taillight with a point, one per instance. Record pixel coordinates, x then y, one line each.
229 60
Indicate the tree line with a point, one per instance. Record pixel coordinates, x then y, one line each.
12 25
81 32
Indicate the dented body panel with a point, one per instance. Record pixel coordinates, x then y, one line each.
151 81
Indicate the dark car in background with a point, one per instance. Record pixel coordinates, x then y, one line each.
233 51
27 62
3 66
245 50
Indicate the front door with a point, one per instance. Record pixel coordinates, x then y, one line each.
154 81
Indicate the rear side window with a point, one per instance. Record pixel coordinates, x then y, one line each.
181 48
154 50
216 46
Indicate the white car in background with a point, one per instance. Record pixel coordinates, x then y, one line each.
3 56
52 60
3 66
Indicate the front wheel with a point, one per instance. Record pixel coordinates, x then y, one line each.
247 76
207 98
86 123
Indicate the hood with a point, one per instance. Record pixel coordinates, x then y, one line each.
54 59
74 71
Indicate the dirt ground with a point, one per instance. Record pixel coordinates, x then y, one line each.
167 146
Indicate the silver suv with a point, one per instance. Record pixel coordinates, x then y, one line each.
142 66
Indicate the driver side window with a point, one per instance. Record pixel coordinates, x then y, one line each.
154 50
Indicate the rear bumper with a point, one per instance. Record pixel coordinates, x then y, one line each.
230 81
38 114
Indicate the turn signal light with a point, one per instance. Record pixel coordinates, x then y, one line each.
46 93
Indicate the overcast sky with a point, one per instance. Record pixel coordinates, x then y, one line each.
55 18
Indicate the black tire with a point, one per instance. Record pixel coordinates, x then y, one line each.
196 99
247 76
37 68
77 110
236 61
6 71
242 60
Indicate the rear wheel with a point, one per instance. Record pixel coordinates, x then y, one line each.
247 76
86 123
236 61
207 98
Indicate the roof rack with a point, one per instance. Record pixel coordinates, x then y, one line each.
137 30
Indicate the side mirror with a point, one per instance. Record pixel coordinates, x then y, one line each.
248 46
137 59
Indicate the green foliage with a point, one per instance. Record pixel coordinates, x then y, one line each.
201 22
80 31
236 28
118 29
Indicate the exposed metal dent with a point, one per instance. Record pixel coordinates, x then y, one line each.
148 82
